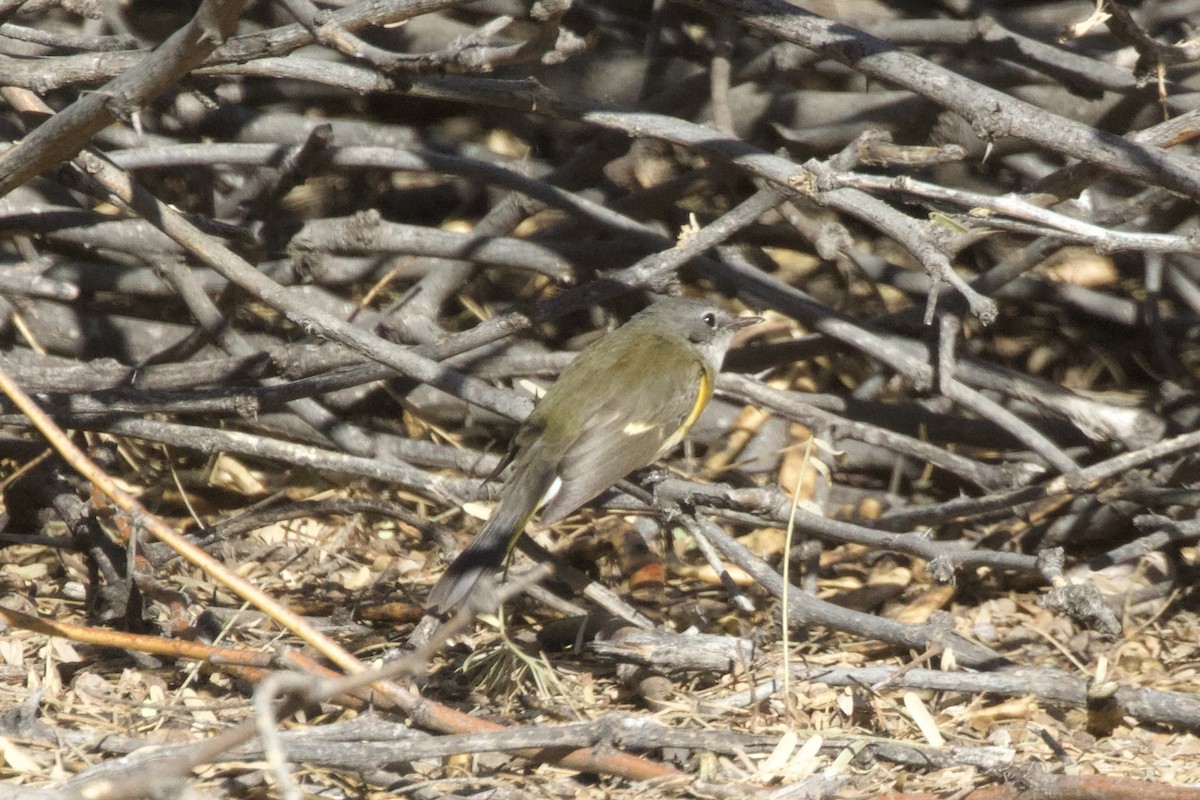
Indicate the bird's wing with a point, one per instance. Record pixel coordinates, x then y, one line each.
615 440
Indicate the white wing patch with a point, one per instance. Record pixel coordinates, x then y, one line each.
551 492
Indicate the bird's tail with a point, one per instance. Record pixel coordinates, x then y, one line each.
523 494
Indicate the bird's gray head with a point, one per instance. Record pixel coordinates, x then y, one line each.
706 325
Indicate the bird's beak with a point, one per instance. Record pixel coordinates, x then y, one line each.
744 322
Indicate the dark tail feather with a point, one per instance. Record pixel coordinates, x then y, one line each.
521 497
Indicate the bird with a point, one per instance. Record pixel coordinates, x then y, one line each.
625 401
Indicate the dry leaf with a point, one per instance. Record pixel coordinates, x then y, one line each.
16 759
769 767
924 719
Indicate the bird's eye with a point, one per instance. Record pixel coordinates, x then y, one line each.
710 320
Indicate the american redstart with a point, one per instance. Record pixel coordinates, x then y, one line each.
627 399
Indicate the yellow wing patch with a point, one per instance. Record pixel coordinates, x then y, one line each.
702 398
